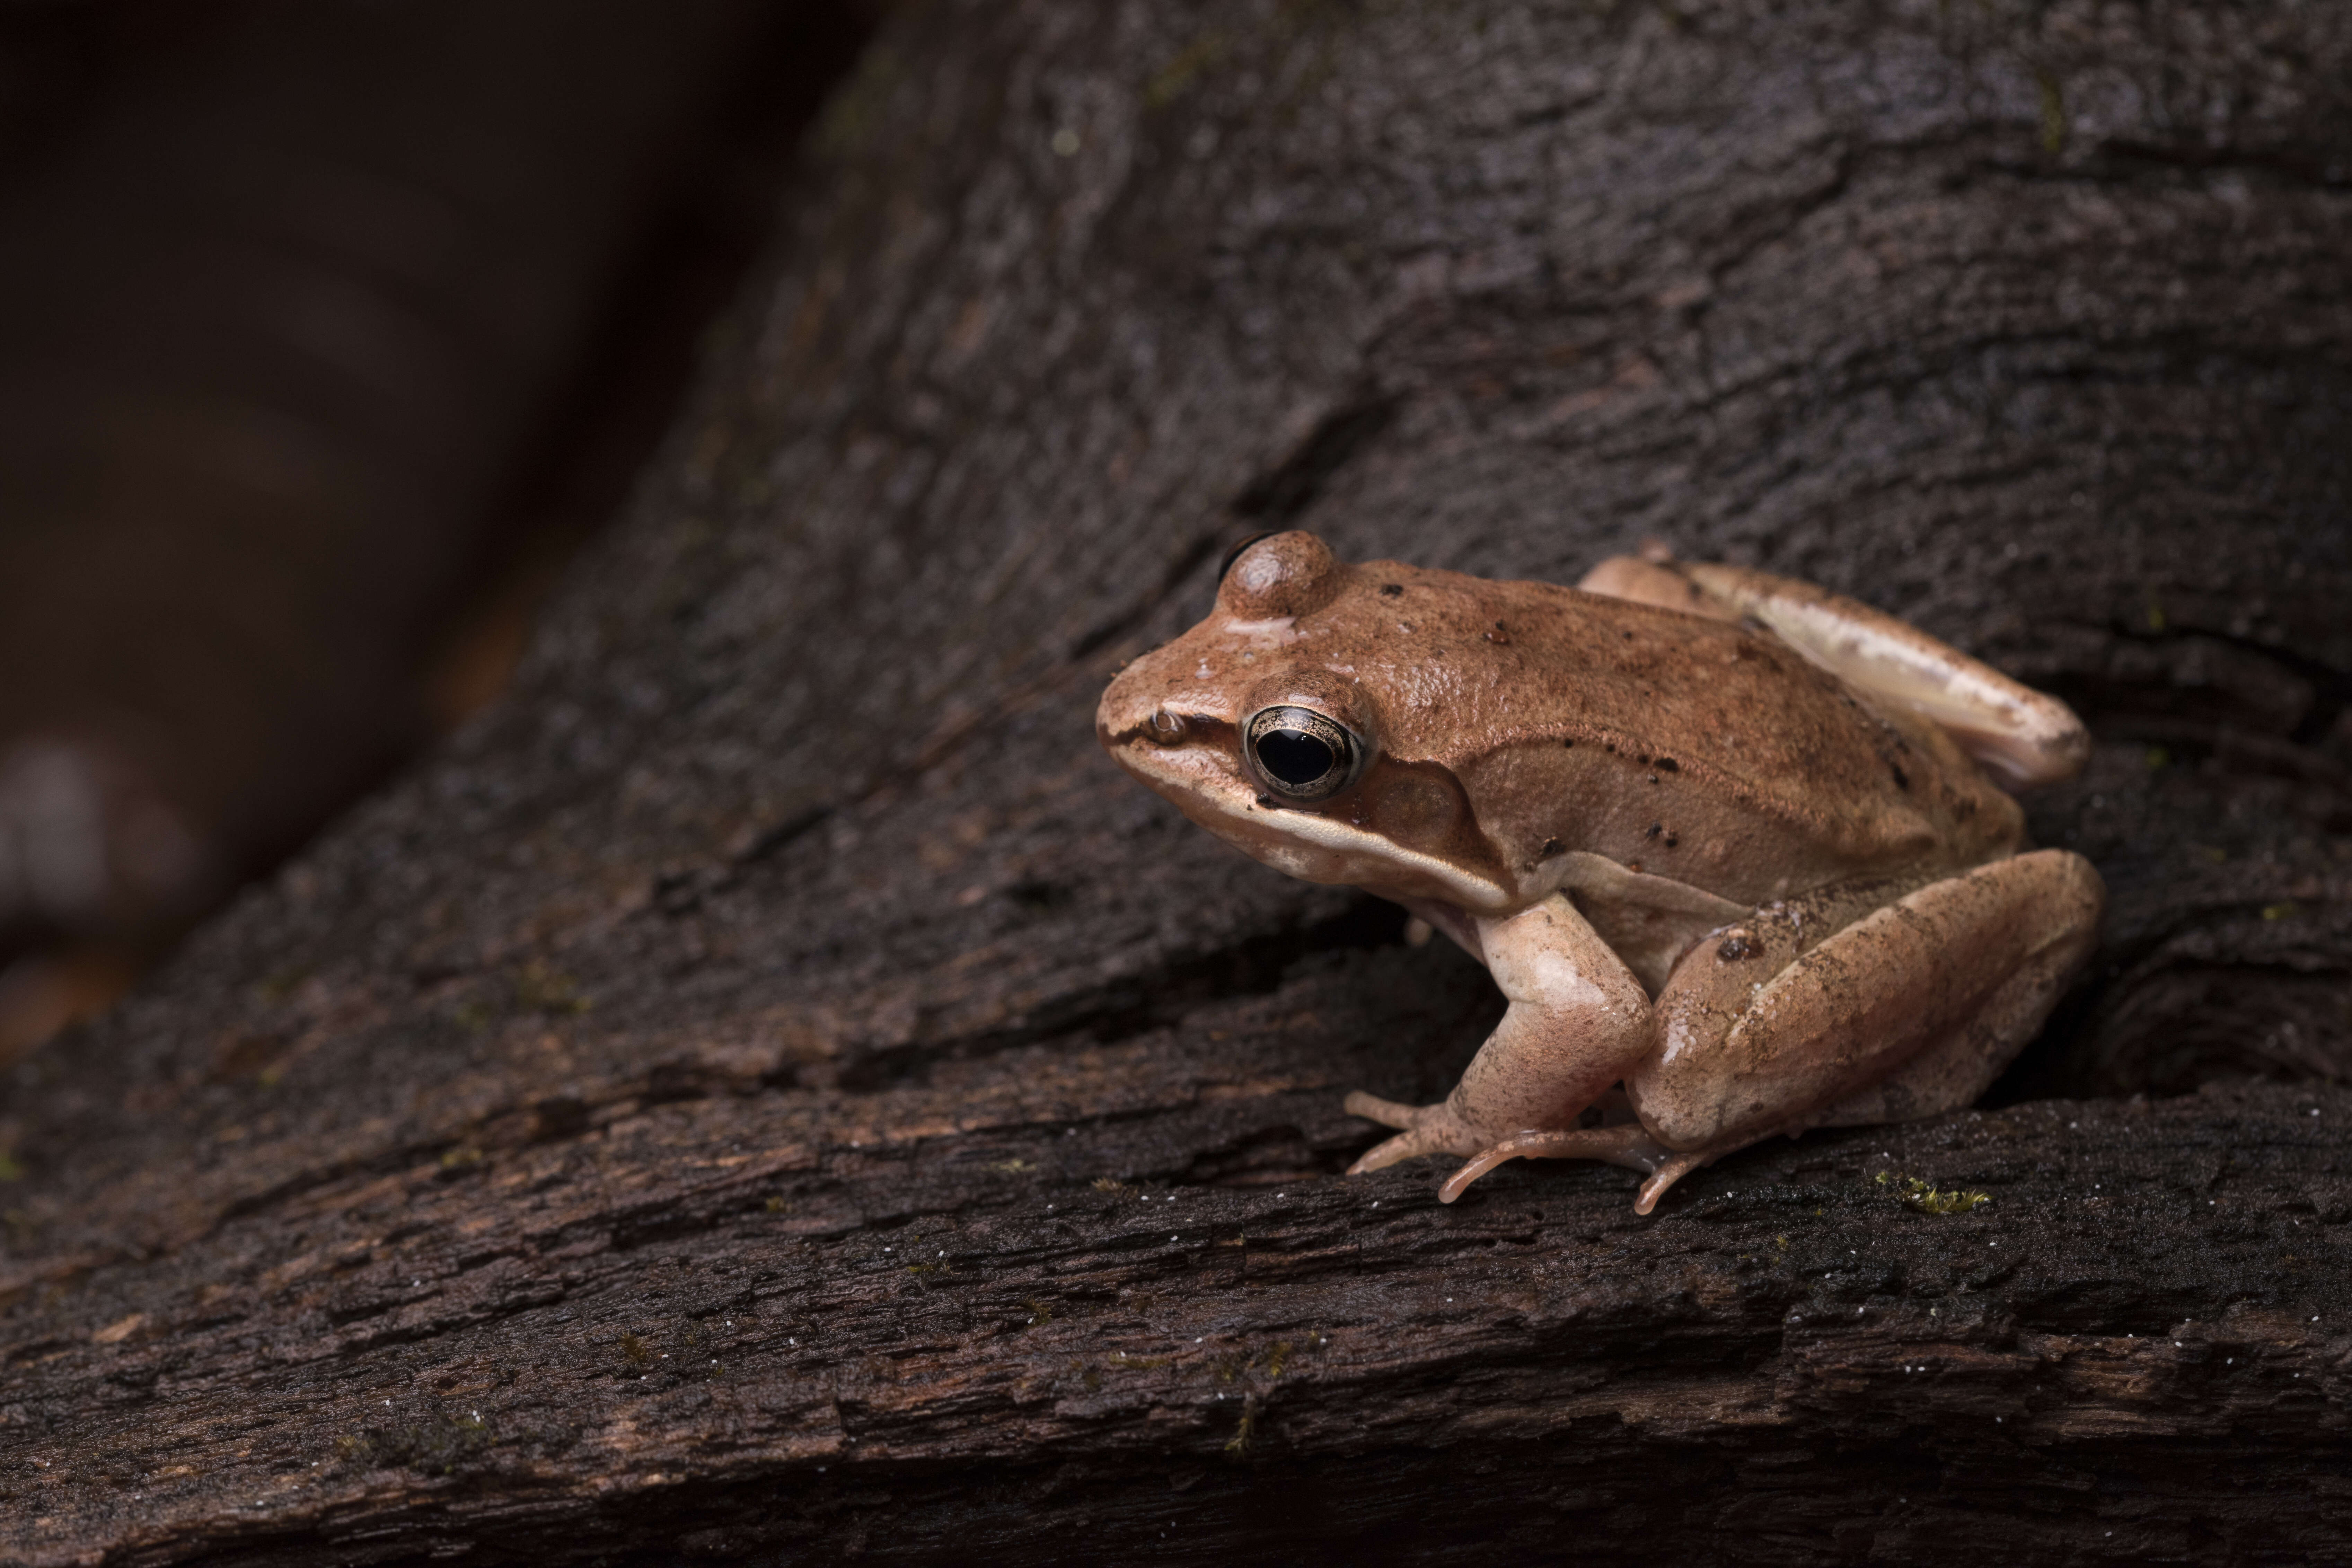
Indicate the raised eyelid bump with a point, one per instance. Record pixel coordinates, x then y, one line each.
1291 573
1235 553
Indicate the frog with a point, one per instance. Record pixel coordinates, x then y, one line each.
1743 855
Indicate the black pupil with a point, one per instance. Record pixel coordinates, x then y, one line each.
1294 756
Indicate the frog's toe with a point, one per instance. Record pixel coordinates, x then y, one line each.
1628 1145
1387 1113
1669 1172
1426 1129
1409 1145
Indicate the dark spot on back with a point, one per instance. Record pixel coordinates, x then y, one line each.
1902 779
1734 948
1390 590
1667 764
1656 828
1551 847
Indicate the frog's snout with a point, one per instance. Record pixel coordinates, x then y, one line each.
1129 710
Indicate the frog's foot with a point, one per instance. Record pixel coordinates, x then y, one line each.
1626 1145
1427 1130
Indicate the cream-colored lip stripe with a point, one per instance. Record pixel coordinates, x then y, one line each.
1216 790
1474 893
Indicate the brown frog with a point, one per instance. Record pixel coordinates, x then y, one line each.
1730 844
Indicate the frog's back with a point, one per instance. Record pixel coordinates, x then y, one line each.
1674 745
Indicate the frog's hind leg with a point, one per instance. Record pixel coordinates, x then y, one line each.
1954 1072
1909 1011
2013 732
1629 1146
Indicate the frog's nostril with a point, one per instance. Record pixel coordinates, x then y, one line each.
1164 728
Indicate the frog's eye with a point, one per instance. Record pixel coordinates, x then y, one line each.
1301 755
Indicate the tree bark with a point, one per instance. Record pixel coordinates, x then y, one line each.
771 1092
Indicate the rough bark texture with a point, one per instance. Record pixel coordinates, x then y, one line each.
770 1091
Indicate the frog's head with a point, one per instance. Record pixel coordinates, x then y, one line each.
1268 725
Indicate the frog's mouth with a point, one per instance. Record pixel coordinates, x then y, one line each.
1202 774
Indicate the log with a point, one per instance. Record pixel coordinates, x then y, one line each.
770 1091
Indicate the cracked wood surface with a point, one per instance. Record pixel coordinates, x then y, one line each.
769 1091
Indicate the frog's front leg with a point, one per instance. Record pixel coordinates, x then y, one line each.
1578 1021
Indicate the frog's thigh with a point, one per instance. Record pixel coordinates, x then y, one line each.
1915 1003
1954 1072
2012 729
1578 1021
1659 582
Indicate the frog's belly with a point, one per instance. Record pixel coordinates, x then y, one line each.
1650 940
1651 922
1648 921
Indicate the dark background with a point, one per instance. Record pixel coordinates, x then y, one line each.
327 333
